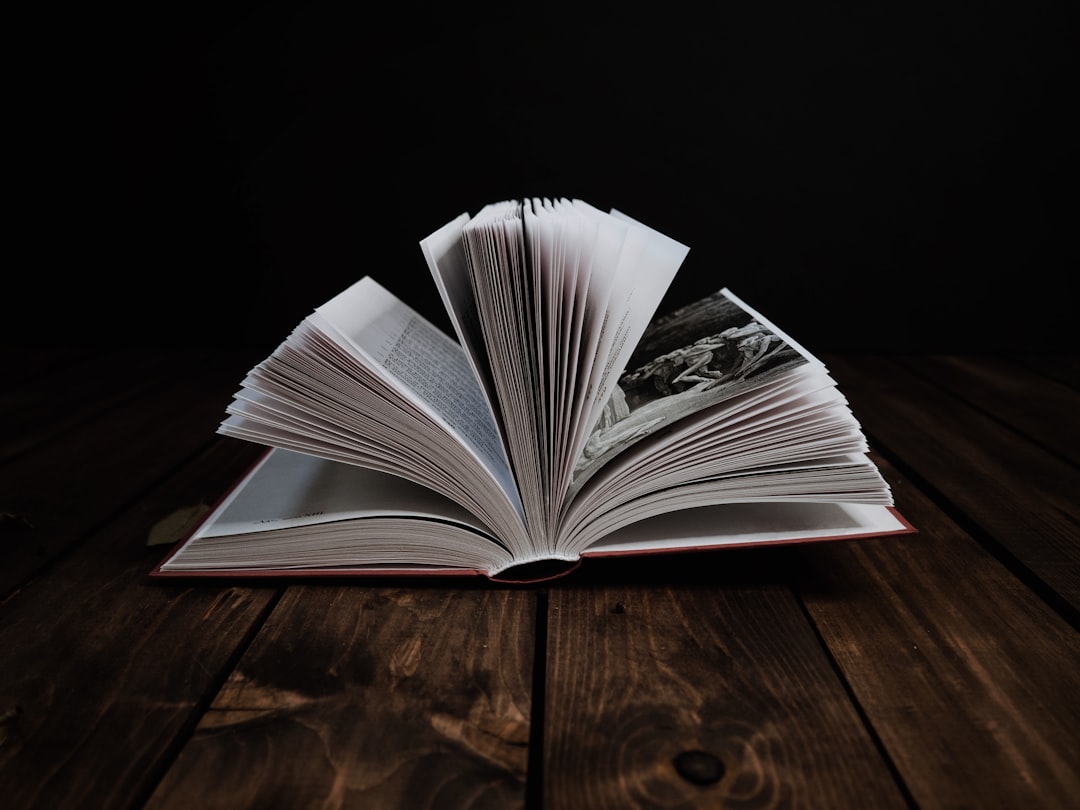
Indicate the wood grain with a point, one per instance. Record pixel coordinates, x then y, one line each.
1064 368
1021 497
77 479
60 397
970 680
370 697
639 678
933 671
1030 403
102 668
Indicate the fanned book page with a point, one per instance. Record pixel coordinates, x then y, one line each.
566 421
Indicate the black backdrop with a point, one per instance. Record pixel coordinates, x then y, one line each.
872 176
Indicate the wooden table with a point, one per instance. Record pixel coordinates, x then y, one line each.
939 670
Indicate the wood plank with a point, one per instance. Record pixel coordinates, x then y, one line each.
40 409
1043 409
414 697
706 695
1020 498
22 364
103 668
1065 368
968 678
80 478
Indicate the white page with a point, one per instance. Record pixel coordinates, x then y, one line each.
577 281
649 263
395 442
363 374
856 481
294 511
749 524
445 255
295 489
803 418
397 342
506 289
723 317
637 279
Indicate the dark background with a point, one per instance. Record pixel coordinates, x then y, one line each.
871 176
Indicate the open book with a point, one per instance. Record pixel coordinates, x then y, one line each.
564 422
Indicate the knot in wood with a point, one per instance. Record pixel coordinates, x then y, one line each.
699 767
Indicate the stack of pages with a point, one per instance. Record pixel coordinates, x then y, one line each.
565 421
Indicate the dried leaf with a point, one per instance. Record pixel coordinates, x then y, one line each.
176 526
